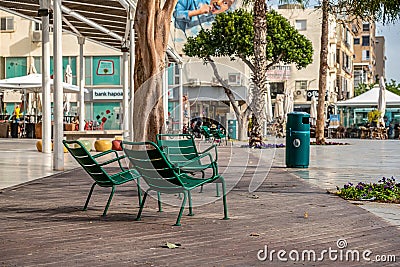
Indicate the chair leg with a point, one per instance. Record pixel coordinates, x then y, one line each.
88 198
109 200
178 220
139 191
141 206
224 199
217 189
202 177
190 204
159 202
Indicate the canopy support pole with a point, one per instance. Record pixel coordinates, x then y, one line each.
180 95
58 157
46 110
81 42
132 77
125 85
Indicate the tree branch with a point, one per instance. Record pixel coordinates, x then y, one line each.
226 87
276 60
248 63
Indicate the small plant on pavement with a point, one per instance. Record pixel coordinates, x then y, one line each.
385 190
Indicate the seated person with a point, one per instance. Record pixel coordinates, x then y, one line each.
75 121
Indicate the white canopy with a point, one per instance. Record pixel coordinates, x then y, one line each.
370 98
33 83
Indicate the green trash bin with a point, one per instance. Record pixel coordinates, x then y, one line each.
298 140
232 129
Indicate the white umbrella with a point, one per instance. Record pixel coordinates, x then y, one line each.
31 97
67 96
313 110
288 102
33 83
382 100
32 69
278 111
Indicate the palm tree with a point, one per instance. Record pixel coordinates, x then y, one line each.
259 88
323 68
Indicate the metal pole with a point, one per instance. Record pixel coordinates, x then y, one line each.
46 110
132 80
125 101
81 41
180 95
165 97
58 157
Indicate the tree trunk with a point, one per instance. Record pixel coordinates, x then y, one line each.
259 75
152 24
241 116
242 123
323 68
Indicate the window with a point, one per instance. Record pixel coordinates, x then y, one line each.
301 25
365 55
366 27
7 24
38 27
301 85
276 88
15 66
356 41
365 41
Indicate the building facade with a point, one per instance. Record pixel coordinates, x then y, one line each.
364 52
20 46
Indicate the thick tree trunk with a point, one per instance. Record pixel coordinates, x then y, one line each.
259 75
242 123
323 68
152 23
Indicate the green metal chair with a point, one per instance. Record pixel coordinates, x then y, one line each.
218 136
179 148
95 169
205 131
163 177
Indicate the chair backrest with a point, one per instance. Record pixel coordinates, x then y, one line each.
206 131
85 159
151 163
179 148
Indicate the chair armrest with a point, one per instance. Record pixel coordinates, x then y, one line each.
208 149
196 159
104 153
117 158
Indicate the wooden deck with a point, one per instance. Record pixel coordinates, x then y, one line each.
42 223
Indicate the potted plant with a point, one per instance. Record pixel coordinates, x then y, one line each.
373 117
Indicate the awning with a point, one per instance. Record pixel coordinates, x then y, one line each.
370 98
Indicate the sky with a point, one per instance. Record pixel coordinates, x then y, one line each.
392 43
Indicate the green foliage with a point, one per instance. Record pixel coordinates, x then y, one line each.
362 88
386 190
374 115
232 35
393 87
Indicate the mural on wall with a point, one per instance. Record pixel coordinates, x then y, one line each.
107 115
190 16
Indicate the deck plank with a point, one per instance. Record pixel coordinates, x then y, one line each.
42 222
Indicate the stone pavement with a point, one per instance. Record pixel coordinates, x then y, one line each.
42 223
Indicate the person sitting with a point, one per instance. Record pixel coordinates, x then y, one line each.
75 122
